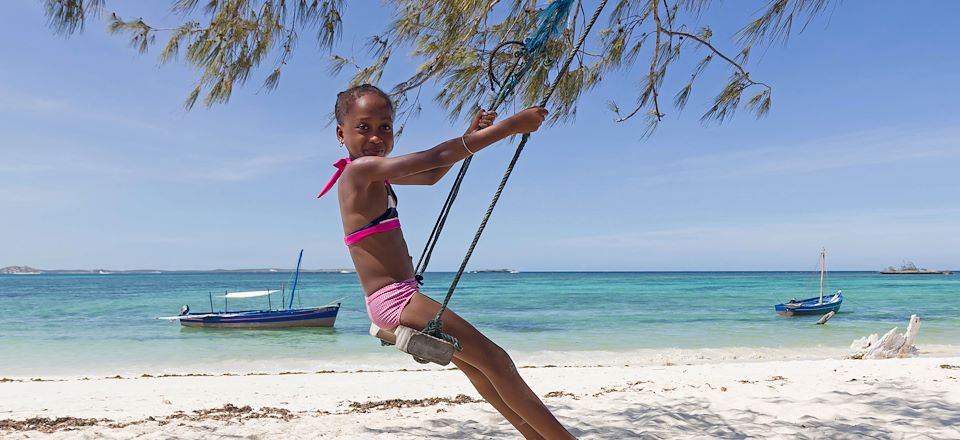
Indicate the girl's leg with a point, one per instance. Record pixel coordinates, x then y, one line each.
492 362
486 389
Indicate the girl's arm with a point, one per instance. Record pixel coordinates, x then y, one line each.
480 121
372 168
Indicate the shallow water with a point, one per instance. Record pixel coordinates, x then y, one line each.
92 324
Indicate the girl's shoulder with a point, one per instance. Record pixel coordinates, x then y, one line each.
360 170
363 160
357 165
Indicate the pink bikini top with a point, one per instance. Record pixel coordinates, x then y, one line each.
387 221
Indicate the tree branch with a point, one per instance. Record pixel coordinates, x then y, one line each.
652 86
743 73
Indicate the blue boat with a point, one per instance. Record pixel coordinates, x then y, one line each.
816 305
810 306
321 316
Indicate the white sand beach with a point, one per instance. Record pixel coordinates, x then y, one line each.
825 398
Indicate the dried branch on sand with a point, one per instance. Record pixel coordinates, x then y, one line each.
891 345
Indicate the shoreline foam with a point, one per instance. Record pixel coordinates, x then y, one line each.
391 360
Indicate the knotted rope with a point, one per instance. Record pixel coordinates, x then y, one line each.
550 21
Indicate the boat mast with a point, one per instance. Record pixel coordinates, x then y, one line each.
823 268
293 290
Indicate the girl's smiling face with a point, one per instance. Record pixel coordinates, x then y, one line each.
367 127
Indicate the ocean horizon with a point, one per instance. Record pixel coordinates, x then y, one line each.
351 271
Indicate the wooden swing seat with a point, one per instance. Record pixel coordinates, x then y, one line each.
415 343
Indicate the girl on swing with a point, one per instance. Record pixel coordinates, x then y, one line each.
368 210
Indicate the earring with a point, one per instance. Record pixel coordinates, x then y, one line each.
341 143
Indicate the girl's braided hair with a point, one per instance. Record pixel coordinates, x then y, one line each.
346 98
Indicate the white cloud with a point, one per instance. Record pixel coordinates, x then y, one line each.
59 157
18 102
15 102
835 223
27 195
250 168
861 240
851 150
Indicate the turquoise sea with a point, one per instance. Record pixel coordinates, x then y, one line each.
74 325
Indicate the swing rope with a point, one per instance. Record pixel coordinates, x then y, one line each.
550 19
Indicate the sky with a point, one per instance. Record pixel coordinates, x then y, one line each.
100 166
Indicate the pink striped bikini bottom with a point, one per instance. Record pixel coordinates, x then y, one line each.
385 305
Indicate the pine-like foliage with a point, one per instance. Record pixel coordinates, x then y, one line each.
452 41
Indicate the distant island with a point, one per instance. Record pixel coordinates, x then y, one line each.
495 271
909 268
27 270
19 270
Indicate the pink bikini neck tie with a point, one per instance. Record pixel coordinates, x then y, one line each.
340 165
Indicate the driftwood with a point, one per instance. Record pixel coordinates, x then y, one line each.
891 345
823 319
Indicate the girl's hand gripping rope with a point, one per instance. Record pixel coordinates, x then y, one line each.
481 120
527 121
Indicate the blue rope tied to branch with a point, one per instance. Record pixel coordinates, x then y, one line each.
550 23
